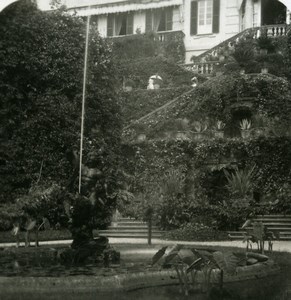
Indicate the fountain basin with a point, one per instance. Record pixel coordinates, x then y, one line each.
121 285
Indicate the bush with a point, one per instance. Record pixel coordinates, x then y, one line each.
148 45
195 232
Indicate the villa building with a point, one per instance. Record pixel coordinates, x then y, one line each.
204 23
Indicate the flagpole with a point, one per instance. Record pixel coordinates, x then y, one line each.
83 101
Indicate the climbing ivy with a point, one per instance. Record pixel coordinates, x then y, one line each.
197 163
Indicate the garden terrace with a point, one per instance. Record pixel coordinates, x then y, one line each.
263 99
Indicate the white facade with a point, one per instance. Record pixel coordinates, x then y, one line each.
205 23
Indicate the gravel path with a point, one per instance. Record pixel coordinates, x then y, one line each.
278 245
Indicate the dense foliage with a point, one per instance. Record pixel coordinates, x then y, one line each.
264 99
41 62
195 232
184 180
148 45
138 103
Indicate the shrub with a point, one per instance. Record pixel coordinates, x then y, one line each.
148 45
195 232
41 102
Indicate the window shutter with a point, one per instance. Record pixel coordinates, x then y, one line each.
194 19
110 22
129 24
215 22
169 18
149 21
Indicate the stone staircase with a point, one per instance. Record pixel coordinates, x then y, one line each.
280 225
205 63
130 228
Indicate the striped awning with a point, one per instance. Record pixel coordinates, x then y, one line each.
287 3
5 3
123 7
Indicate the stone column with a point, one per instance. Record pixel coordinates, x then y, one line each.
249 12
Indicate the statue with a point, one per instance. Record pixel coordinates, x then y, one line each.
151 84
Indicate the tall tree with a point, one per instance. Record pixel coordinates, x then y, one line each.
41 63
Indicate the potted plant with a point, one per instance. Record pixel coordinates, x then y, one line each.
239 184
199 128
245 126
244 54
218 129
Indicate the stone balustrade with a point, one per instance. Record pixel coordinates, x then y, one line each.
204 63
204 68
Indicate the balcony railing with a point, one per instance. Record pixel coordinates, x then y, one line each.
203 68
202 65
163 36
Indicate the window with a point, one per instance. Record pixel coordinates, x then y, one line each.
204 16
159 19
119 24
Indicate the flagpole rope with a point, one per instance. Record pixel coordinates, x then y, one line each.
83 102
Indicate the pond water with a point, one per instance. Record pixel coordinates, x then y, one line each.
43 262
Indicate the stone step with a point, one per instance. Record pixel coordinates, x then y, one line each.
272 228
131 223
129 231
127 219
131 228
239 235
267 220
273 216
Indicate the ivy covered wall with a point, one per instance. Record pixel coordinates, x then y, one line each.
263 98
185 179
